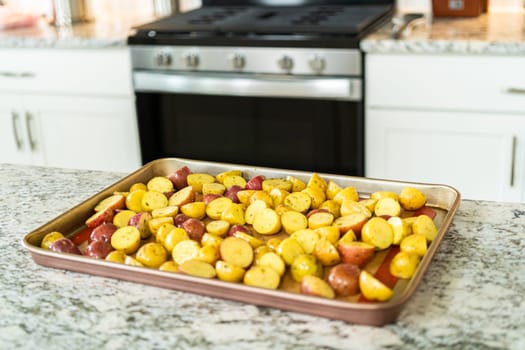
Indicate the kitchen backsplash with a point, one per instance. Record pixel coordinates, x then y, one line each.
110 9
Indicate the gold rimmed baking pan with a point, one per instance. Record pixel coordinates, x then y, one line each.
443 199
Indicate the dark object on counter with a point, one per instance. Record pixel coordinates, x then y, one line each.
459 8
402 25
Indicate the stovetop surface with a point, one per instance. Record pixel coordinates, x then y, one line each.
272 20
325 25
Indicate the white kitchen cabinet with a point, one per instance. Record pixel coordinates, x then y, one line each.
443 119
68 108
13 145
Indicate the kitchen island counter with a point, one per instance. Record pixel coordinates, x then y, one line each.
472 296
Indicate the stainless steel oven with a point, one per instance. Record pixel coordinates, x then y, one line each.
247 82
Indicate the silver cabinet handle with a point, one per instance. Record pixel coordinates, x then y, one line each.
515 91
29 122
513 161
15 117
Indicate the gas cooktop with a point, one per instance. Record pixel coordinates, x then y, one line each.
312 25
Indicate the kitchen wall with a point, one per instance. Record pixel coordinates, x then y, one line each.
425 6
101 9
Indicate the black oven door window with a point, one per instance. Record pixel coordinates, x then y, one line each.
284 133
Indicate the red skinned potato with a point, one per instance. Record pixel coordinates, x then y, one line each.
179 219
195 228
207 198
355 252
103 232
140 221
116 201
182 196
105 215
237 227
179 177
313 285
98 249
344 279
431 213
64 245
352 222
255 183
232 193
315 211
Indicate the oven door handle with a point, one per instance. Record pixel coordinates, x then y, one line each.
333 88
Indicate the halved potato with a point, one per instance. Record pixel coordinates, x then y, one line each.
317 182
215 208
236 251
293 221
415 244
273 260
269 184
377 232
411 198
213 188
252 210
317 196
229 272
197 268
348 192
160 184
387 207
234 180
307 238
182 196
196 210
373 289
267 222
297 184
196 180
424 225
320 219
404 265
289 249
263 277
220 177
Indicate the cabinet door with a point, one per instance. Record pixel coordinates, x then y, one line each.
85 133
13 145
481 155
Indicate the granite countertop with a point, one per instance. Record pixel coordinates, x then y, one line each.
93 34
472 296
490 33
500 33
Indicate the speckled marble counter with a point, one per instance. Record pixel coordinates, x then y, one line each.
491 33
471 298
95 34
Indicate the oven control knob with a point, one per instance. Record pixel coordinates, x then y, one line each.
237 61
285 63
191 60
317 63
163 59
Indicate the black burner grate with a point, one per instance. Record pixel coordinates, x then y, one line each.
333 19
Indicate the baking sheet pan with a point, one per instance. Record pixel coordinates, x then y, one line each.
442 198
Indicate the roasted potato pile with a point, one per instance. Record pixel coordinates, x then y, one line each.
260 231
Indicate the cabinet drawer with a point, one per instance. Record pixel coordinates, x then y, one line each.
446 82
72 72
